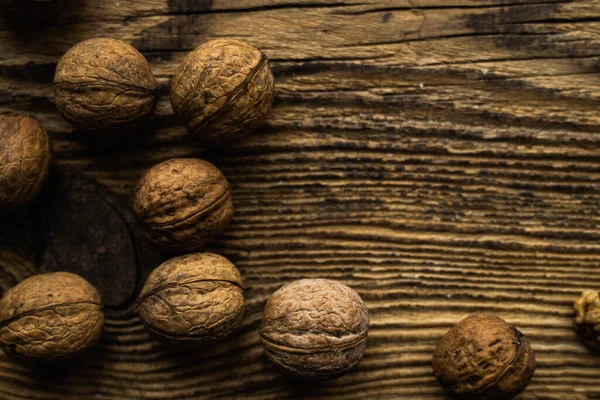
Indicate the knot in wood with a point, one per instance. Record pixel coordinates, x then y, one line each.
15 268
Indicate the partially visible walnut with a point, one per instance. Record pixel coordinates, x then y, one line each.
50 317
223 90
25 159
483 358
103 84
315 328
587 319
183 203
192 299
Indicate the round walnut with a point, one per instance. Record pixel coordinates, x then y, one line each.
483 358
183 203
192 299
223 90
50 317
103 84
315 328
587 319
25 159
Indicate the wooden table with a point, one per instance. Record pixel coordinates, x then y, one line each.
442 157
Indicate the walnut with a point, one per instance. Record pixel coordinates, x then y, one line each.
587 319
103 84
50 317
183 203
223 90
25 159
315 328
192 299
483 358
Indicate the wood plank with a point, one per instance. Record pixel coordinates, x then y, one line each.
441 157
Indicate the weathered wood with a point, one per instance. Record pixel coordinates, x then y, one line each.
440 156
89 231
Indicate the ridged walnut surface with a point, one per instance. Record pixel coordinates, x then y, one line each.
183 203
103 84
483 358
223 90
25 159
192 299
50 317
587 319
315 328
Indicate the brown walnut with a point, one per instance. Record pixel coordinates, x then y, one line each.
25 159
484 358
223 90
314 328
192 299
102 84
183 203
50 317
587 319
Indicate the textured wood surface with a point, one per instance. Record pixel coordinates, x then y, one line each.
441 157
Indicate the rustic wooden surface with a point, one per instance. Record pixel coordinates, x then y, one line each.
442 157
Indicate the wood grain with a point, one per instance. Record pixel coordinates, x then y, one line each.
441 157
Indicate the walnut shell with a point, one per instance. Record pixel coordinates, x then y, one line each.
50 317
223 90
183 203
315 328
193 299
483 358
25 159
587 319
103 84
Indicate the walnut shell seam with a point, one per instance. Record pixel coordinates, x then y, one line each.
150 108
176 284
191 337
296 350
103 126
509 365
215 204
107 83
16 317
188 337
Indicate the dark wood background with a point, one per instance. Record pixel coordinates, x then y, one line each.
441 157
